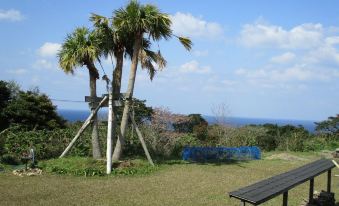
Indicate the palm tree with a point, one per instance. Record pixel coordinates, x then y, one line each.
113 43
139 21
80 48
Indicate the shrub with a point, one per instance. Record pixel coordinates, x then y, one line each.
236 137
293 141
75 166
79 166
266 142
49 144
200 131
9 159
161 144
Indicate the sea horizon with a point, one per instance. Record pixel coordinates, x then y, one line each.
73 115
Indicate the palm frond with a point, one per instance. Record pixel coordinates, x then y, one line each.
186 42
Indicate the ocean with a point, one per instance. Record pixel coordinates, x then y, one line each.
81 115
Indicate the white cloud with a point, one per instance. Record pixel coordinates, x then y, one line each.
194 67
49 49
296 73
11 15
326 53
188 25
227 82
260 34
283 58
17 71
35 79
332 40
43 64
200 53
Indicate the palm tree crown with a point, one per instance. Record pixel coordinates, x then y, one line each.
79 48
139 19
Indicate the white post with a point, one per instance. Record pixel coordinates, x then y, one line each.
109 132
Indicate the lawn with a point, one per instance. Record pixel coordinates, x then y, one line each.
172 184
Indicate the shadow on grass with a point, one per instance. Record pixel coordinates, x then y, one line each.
220 163
177 161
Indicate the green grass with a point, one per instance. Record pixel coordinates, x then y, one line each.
174 183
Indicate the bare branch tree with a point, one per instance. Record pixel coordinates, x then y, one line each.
221 112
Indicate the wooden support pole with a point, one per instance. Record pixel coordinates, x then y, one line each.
243 203
83 127
329 176
285 198
310 197
141 140
109 133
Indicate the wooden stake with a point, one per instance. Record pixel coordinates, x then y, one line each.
336 164
83 127
141 140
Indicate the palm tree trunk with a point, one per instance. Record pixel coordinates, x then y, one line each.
117 74
124 121
93 75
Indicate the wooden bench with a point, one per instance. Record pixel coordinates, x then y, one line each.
267 189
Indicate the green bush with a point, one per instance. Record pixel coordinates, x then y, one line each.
293 141
79 166
183 141
9 159
49 144
266 142
321 142
270 137
235 137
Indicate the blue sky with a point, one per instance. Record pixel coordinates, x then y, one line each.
263 59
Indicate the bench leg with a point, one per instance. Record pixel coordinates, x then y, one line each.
329 175
243 203
285 198
310 197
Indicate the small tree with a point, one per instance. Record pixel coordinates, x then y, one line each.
5 95
329 126
220 112
33 110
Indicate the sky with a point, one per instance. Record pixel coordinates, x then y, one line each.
262 59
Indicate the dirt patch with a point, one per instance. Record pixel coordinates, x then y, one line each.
285 156
327 154
27 172
123 164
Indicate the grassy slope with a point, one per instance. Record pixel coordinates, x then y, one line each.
181 184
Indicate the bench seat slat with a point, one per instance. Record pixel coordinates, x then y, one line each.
264 190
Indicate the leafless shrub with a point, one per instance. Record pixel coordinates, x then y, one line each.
221 112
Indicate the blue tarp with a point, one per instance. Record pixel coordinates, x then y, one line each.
205 154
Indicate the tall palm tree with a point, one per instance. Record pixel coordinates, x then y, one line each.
80 48
139 21
116 43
